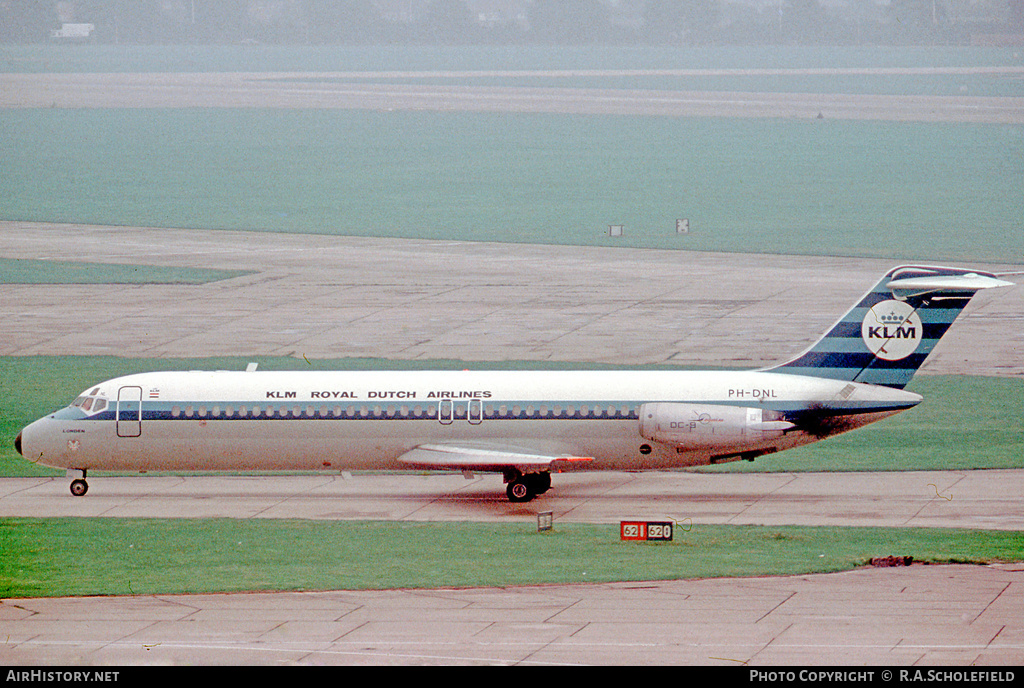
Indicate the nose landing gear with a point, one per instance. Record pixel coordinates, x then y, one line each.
78 486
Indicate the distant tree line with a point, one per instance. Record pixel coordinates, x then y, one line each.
555 22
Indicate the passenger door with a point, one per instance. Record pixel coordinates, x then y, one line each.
129 412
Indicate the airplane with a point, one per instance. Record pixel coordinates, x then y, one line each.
525 425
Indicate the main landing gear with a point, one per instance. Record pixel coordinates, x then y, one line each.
524 487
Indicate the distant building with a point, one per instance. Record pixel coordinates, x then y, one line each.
73 31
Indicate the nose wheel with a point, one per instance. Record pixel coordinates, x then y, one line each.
78 485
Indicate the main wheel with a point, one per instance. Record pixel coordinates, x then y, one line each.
519 490
540 482
79 487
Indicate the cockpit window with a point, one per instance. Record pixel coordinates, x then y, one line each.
92 402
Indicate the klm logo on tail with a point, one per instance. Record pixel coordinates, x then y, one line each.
892 330
889 333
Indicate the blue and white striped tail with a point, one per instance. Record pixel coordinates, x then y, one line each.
886 337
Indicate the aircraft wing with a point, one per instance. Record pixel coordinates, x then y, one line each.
488 459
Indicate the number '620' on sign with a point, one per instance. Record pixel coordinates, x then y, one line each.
645 530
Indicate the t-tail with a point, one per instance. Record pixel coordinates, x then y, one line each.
886 337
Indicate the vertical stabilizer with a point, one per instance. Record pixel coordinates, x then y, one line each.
889 333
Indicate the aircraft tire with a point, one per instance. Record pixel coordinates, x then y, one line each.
540 482
79 487
520 490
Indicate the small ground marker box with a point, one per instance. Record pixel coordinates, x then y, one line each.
645 530
544 521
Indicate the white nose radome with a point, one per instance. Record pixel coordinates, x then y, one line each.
41 442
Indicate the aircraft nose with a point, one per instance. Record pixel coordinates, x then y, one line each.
17 443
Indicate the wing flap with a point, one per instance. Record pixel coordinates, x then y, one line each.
484 459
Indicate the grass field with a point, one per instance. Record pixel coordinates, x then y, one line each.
876 189
24 271
104 556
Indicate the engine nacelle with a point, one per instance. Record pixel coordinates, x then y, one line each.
709 425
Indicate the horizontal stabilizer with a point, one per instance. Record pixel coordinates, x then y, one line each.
452 457
965 283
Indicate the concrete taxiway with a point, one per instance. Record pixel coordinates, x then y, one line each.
909 616
333 297
385 91
921 499
916 615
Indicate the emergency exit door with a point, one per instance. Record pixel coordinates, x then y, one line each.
449 411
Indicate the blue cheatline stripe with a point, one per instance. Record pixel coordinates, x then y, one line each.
858 361
853 330
606 411
170 411
933 320
887 377
849 345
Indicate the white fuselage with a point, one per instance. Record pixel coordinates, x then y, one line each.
369 420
